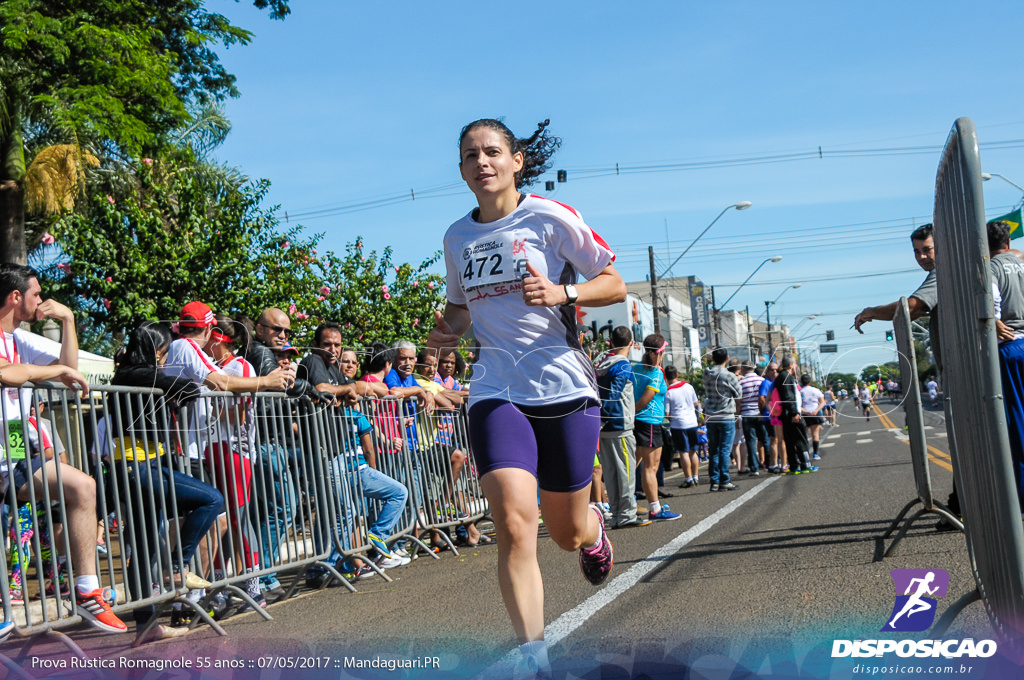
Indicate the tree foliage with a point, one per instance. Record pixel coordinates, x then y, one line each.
841 380
144 248
111 76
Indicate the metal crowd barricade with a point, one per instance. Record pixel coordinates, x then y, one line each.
451 495
915 430
975 414
399 457
123 439
272 511
341 526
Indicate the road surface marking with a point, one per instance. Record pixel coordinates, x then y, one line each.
566 624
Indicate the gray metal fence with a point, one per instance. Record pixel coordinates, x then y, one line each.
280 475
976 419
915 430
450 496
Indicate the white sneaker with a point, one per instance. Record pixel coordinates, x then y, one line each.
393 561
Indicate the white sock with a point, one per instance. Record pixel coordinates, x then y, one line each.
655 508
597 543
538 650
87 584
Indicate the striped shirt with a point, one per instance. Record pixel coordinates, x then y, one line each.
750 385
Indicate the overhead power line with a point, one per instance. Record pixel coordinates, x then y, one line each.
592 172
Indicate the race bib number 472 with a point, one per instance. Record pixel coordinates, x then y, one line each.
492 262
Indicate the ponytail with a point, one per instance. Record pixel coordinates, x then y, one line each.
537 149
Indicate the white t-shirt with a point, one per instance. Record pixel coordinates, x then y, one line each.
186 359
22 347
810 397
528 355
681 406
241 438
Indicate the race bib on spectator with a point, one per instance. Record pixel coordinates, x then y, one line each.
15 439
492 261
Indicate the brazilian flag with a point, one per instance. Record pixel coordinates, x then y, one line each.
1014 220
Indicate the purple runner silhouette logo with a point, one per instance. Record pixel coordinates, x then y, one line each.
917 593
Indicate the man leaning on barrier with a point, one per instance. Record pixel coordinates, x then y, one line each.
276 497
355 465
921 301
187 359
22 303
1008 288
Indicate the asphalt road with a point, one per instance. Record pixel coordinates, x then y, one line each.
764 577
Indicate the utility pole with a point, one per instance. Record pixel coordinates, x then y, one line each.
750 345
714 318
654 291
768 317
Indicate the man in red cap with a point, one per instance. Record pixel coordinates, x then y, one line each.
186 358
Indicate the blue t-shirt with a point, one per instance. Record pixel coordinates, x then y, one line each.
766 391
654 412
356 425
392 379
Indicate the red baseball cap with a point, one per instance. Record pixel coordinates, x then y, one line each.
196 315
289 348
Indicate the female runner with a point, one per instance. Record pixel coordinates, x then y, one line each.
534 417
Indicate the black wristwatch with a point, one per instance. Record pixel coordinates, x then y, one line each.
571 294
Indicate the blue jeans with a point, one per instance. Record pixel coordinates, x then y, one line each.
754 432
147 487
720 436
372 484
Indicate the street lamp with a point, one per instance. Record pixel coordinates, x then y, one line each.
989 175
771 303
770 259
742 205
768 304
776 258
803 321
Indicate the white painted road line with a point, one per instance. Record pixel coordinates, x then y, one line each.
834 436
864 441
825 446
566 624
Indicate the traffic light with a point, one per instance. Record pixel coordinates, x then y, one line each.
561 175
888 336
830 335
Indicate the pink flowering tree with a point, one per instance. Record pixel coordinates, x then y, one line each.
142 249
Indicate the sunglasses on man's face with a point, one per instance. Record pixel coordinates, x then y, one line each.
277 329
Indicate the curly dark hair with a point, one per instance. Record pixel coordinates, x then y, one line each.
537 149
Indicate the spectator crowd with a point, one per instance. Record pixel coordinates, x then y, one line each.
233 478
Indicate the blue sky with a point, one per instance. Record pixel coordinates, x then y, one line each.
344 103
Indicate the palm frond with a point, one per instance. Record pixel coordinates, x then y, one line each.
206 131
54 179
